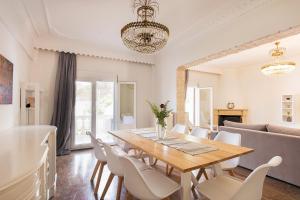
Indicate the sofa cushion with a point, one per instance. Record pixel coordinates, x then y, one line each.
283 130
257 127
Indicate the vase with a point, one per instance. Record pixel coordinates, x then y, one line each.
161 130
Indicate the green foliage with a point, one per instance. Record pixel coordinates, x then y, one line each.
161 112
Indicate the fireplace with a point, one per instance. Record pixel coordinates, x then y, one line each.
232 118
235 115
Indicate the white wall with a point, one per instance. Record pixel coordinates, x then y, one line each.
11 49
44 68
239 31
230 89
249 89
261 94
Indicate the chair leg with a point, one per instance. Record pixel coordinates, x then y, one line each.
144 161
120 182
231 173
128 195
140 156
109 180
167 170
95 170
171 170
102 164
154 163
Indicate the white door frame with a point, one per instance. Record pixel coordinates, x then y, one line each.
119 103
94 79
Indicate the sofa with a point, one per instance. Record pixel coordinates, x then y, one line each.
267 141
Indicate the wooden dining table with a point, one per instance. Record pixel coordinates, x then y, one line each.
184 162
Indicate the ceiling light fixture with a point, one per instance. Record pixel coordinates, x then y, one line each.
145 35
279 65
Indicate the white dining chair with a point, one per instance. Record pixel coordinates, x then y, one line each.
116 169
200 132
225 187
180 128
229 138
228 165
147 184
101 160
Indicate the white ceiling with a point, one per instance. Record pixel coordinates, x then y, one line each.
251 57
98 22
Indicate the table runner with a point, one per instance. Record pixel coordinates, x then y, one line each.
192 148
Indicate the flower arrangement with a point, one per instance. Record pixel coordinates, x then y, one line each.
161 113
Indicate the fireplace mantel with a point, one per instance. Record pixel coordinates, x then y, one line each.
230 112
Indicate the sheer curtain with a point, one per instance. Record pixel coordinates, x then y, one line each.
64 101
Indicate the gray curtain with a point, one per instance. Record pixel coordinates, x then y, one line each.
64 101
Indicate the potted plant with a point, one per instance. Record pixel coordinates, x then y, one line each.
161 113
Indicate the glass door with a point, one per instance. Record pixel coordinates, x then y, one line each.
83 114
199 105
105 107
206 108
94 111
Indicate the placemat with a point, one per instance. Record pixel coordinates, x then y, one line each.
192 148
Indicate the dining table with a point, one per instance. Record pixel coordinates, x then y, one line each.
183 161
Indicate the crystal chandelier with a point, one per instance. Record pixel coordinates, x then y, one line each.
279 66
145 35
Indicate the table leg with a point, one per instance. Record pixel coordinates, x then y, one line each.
186 185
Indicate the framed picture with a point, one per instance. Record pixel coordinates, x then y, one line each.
6 81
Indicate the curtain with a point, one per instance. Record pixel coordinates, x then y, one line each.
64 102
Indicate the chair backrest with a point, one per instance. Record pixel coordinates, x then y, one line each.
200 132
252 187
229 138
180 128
98 148
113 156
134 181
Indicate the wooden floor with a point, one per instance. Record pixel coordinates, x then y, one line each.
74 172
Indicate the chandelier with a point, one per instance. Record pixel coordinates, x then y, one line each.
278 66
145 35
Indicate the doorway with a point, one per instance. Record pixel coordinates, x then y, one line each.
199 106
95 111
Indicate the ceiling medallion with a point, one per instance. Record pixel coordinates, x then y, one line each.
278 66
145 35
